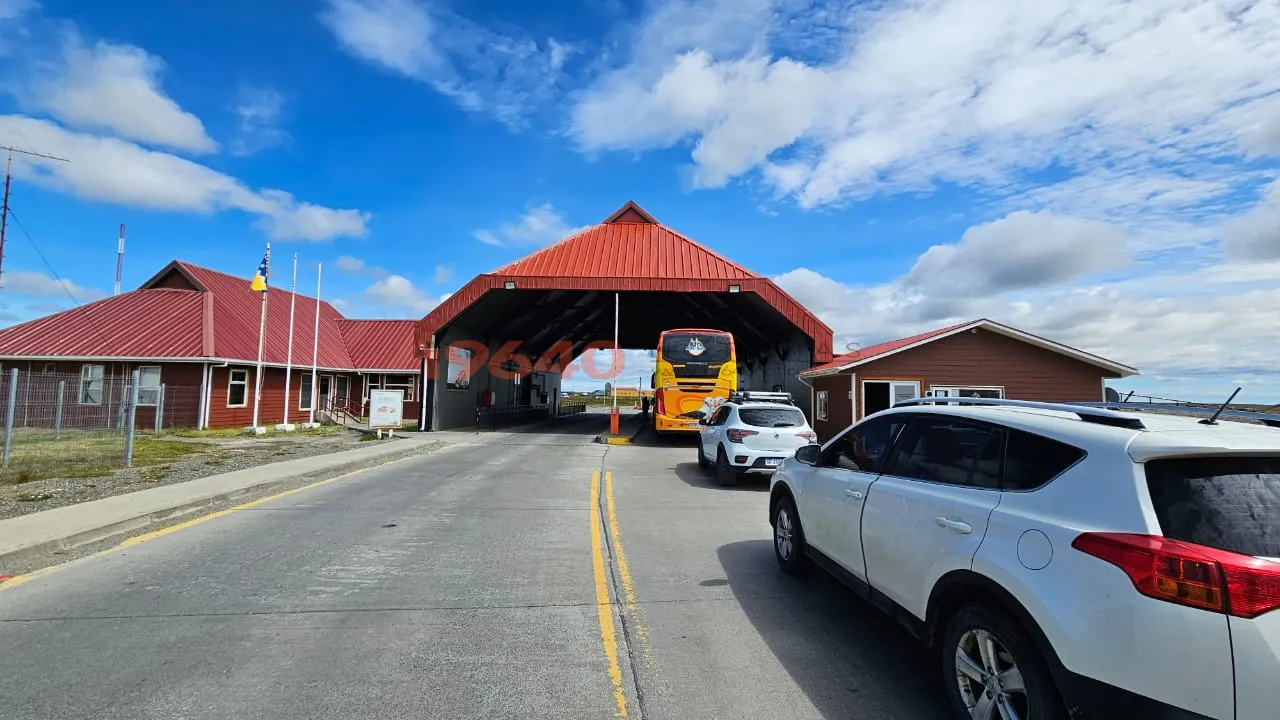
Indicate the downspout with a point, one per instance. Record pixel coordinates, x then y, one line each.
202 412
208 403
813 408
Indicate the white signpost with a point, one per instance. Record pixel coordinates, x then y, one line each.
386 410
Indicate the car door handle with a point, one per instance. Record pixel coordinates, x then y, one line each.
958 525
855 494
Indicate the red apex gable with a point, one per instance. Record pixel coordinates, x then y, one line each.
630 213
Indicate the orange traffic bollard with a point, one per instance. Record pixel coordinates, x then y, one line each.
613 421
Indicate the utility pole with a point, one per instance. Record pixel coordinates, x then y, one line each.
8 176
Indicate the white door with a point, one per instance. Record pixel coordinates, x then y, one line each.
901 390
831 504
928 513
712 431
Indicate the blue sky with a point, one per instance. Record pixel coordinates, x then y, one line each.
1103 173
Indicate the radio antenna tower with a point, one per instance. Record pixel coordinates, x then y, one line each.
8 176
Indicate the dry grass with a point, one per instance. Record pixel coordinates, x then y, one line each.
88 455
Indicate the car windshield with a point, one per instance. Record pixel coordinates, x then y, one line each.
771 417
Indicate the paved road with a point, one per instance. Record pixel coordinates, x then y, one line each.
463 584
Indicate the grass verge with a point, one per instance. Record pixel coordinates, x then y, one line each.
89 456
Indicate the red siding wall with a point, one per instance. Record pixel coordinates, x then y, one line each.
839 407
272 410
37 395
982 358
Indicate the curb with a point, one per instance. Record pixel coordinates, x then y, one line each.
621 439
13 561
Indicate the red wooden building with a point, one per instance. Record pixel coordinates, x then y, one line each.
982 358
195 331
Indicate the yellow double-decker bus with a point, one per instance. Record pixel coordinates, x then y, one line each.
696 369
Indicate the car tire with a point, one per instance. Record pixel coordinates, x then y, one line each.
789 547
703 463
726 476
966 633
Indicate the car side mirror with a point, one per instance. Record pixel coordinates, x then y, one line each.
703 420
809 454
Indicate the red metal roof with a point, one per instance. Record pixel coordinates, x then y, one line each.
864 355
884 348
380 344
158 323
629 251
190 312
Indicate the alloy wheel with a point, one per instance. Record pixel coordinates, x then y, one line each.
990 682
783 533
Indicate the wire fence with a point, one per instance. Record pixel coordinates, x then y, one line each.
69 425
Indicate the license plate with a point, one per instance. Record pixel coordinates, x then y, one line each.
771 462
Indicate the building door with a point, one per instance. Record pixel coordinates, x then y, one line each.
326 391
880 395
343 396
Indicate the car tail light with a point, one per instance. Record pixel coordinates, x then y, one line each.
1189 574
736 436
810 436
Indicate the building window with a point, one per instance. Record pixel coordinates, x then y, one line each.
238 388
459 377
91 380
820 411
979 391
304 392
405 383
149 386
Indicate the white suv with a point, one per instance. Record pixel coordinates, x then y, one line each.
1065 560
751 433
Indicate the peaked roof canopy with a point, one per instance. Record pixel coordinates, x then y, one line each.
629 251
188 312
865 355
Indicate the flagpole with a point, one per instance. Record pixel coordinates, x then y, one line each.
262 336
315 349
288 366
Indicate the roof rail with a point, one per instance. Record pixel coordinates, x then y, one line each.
1269 419
1099 416
740 396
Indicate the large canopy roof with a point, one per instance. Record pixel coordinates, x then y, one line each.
564 292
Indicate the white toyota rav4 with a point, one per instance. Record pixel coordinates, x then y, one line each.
1065 561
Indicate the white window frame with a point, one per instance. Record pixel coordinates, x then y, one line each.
893 387
86 376
820 405
955 390
148 395
304 398
231 381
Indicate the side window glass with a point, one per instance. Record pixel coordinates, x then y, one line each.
1033 460
942 450
986 472
864 447
722 416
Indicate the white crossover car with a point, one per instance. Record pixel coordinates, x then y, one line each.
1065 560
751 433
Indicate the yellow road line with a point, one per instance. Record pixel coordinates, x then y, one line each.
130 542
604 607
624 570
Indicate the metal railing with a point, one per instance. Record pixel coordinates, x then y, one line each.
69 425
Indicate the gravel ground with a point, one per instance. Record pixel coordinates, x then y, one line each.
226 455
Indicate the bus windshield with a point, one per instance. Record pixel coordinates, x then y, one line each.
696 355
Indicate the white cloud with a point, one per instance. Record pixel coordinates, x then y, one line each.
399 293
542 225
1256 234
259 112
480 70
594 368
113 170
443 273
346 263
14 9
115 88
39 285
865 98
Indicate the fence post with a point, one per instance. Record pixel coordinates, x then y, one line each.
8 414
57 412
133 416
160 410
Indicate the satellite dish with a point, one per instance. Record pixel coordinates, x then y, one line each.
851 346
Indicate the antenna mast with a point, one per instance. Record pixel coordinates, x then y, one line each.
8 176
119 260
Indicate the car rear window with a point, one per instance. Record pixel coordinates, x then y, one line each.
771 417
1230 504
